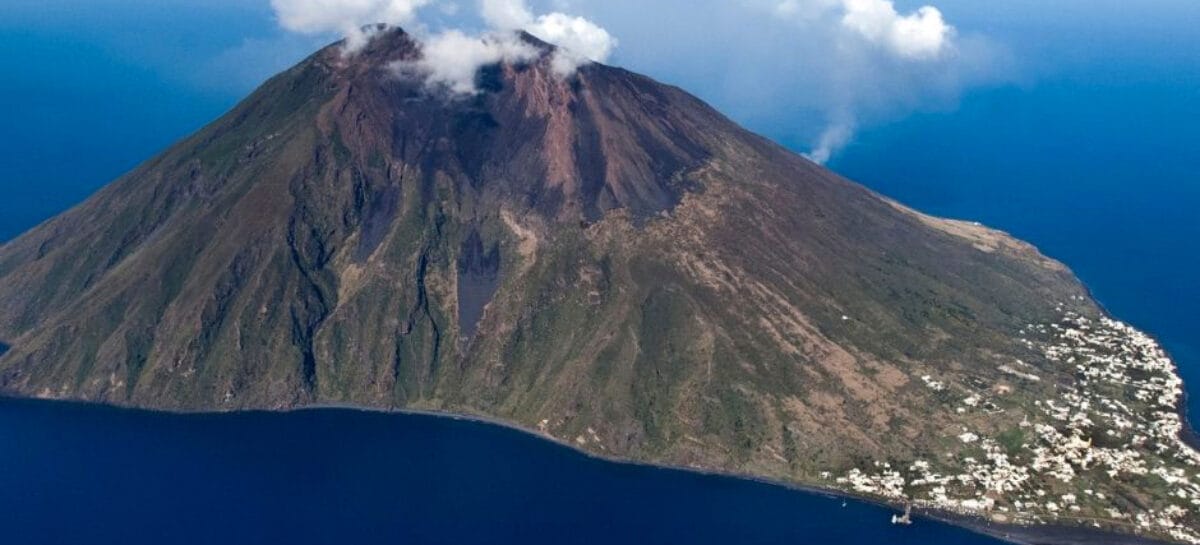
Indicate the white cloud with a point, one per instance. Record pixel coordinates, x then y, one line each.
579 39
877 59
452 59
922 34
505 14
798 70
346 17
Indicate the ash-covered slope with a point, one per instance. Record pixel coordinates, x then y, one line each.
602 258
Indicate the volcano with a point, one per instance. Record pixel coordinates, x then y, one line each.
599 258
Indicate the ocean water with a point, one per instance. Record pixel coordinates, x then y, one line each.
85 474
92 88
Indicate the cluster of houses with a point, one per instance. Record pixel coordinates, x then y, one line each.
1104 450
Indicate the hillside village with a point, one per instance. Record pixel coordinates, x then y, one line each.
1106 451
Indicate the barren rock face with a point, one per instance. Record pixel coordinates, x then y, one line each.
602 258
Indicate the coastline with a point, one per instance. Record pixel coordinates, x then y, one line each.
1188 434
1047 534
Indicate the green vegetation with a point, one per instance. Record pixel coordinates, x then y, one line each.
304 249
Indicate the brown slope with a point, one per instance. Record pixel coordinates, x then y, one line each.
329 239
604 258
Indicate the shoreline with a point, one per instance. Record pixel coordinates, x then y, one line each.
1188 434
1018 534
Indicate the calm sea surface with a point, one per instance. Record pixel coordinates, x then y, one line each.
73 474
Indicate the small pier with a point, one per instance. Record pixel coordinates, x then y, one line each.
906 518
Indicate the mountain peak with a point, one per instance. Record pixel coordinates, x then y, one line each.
387 45
384 44
539 43
570 148
601 257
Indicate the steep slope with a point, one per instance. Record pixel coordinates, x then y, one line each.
602 258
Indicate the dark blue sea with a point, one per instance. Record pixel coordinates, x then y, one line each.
1092 154
76 474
